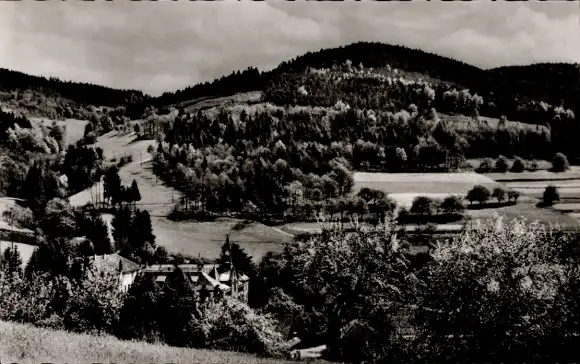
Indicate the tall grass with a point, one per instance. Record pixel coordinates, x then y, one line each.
27 344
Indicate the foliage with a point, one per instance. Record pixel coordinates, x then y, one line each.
138 316
513 195
452 205
422 205
18 216
501 164
560 163
497 309
229 324
342 281
478 193
59 220
551 195
518 165
486 165
232 252
499 194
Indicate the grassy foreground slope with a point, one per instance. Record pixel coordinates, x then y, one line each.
27 344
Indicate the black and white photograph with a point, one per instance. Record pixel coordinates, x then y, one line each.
284 182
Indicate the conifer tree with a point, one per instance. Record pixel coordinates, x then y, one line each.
138 317
134 192
241 260
178 310
99 236
121 225
12 262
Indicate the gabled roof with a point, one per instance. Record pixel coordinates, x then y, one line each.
115 261
225 277
206 279
167 268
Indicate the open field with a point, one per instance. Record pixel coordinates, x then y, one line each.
439 183
75 129
25 344
240 98
404 187
186 237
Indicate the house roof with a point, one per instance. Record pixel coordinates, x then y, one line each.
225 277
167 268
114 261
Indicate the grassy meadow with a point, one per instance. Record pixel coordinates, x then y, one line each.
25 344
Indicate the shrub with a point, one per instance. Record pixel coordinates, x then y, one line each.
533 166
560 163
478 193
501 164
232 325
499 194
422 205
452 205
519 165
512 194
551 195
485 166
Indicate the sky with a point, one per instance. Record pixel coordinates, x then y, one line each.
165 45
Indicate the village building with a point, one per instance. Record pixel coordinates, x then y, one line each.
126 268
206 279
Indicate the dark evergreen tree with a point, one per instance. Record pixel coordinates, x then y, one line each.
112 185
99 236
121 226
12 261
178 310
135 194
239 258
138 317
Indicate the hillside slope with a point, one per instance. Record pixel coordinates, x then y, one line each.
25 344
191 238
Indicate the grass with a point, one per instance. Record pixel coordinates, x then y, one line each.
422 183
25 344
206 103
75 129
186 237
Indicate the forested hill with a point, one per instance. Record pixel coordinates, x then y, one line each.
550 82
83 93
369 54
502 88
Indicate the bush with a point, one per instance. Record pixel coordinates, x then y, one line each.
232 325
422 205
501 164
478 193
499 194
551 195
512 194
560 163
533 166
519 165
452 205
485 166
